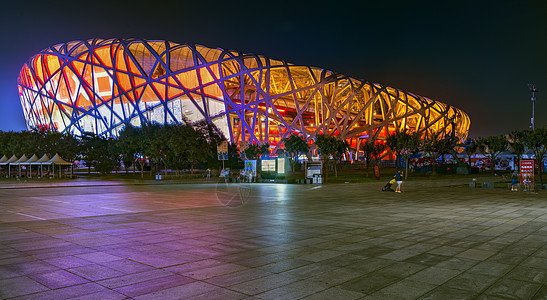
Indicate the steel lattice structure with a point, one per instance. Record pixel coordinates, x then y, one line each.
101 85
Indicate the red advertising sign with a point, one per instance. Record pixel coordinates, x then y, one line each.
527 172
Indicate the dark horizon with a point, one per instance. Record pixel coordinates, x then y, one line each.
478 57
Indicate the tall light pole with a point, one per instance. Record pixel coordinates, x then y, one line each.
533 89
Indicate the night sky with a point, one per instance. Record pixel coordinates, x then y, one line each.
478 56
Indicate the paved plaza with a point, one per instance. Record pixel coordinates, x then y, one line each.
85 239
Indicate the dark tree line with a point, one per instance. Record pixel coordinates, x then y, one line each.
170 146
185 146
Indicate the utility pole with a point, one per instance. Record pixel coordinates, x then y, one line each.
533 89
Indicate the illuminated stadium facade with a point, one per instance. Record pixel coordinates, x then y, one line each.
101 85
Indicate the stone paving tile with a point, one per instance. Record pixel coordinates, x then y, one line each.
58 279
152 286
135 278
66 293
471 282
506 258
535 275
104 295
337 277
401 269
294 290
512 289
285 265
221 294
434 275
541 294
465 243
490 269
98 257
370 264
534 262
405 289
427 259
476 254
309 270
260 285
446 293
126 266
320 255
189 290
458 263
66 262
19 286
369 283
32 267
237 277
334 293
219 270
7 272
95 272
17 259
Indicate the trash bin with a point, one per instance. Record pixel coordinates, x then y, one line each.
158 176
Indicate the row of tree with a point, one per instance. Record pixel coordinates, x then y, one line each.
404 143
185 146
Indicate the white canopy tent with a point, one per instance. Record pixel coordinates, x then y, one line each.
57 160
39 162
2 162
32 159
16 163
13 158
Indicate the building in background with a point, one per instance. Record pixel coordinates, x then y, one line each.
101 85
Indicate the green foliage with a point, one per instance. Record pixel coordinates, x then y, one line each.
516 144
294 146
492 147
403 143
255 151
100 152
38 142
331 146
234 156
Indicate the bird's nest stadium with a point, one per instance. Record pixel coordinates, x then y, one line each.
100 85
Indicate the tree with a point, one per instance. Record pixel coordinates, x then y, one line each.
440 146
471 147
255 151
411 145
213 136
397 144
131 145
536 140
377 150
100 152
331 146
368 148
403 144
492 147
517 145
294 146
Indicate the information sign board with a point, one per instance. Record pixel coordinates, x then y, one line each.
222 150
527 172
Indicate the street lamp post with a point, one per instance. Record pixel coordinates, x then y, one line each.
533 89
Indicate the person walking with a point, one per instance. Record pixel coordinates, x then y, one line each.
399 180
514 182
